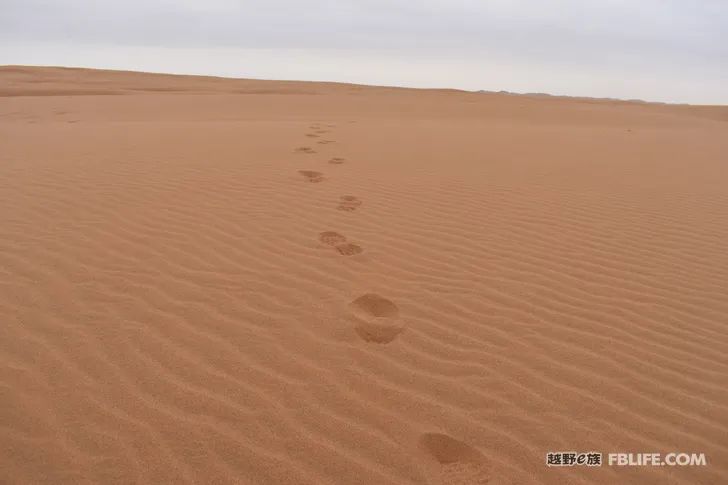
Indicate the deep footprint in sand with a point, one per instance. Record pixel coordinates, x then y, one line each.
332 238
348 203
461 463
312 176
337 160
377 319
306 150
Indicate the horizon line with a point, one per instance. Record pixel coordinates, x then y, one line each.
348 83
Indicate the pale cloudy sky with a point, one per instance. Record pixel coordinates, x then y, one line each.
661 50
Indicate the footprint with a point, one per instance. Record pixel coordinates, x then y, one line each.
349 249
374 305
376 333
321 132
337 160
446 449
461 463
312 176
376 319
307 150
332 238
348 203
312 135
325 142
339 242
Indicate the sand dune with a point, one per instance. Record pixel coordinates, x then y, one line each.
207 280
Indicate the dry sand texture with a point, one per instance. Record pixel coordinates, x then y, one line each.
228 281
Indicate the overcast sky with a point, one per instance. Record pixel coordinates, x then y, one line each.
662 50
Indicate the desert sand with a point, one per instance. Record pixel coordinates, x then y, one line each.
207 280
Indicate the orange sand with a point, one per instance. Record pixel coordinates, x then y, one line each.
209 280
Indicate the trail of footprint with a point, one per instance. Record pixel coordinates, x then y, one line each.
377 319
461 463
348 203
306 150
337 160
312 176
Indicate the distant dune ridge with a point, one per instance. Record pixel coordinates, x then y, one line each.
208 280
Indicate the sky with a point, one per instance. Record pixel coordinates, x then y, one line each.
656 50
